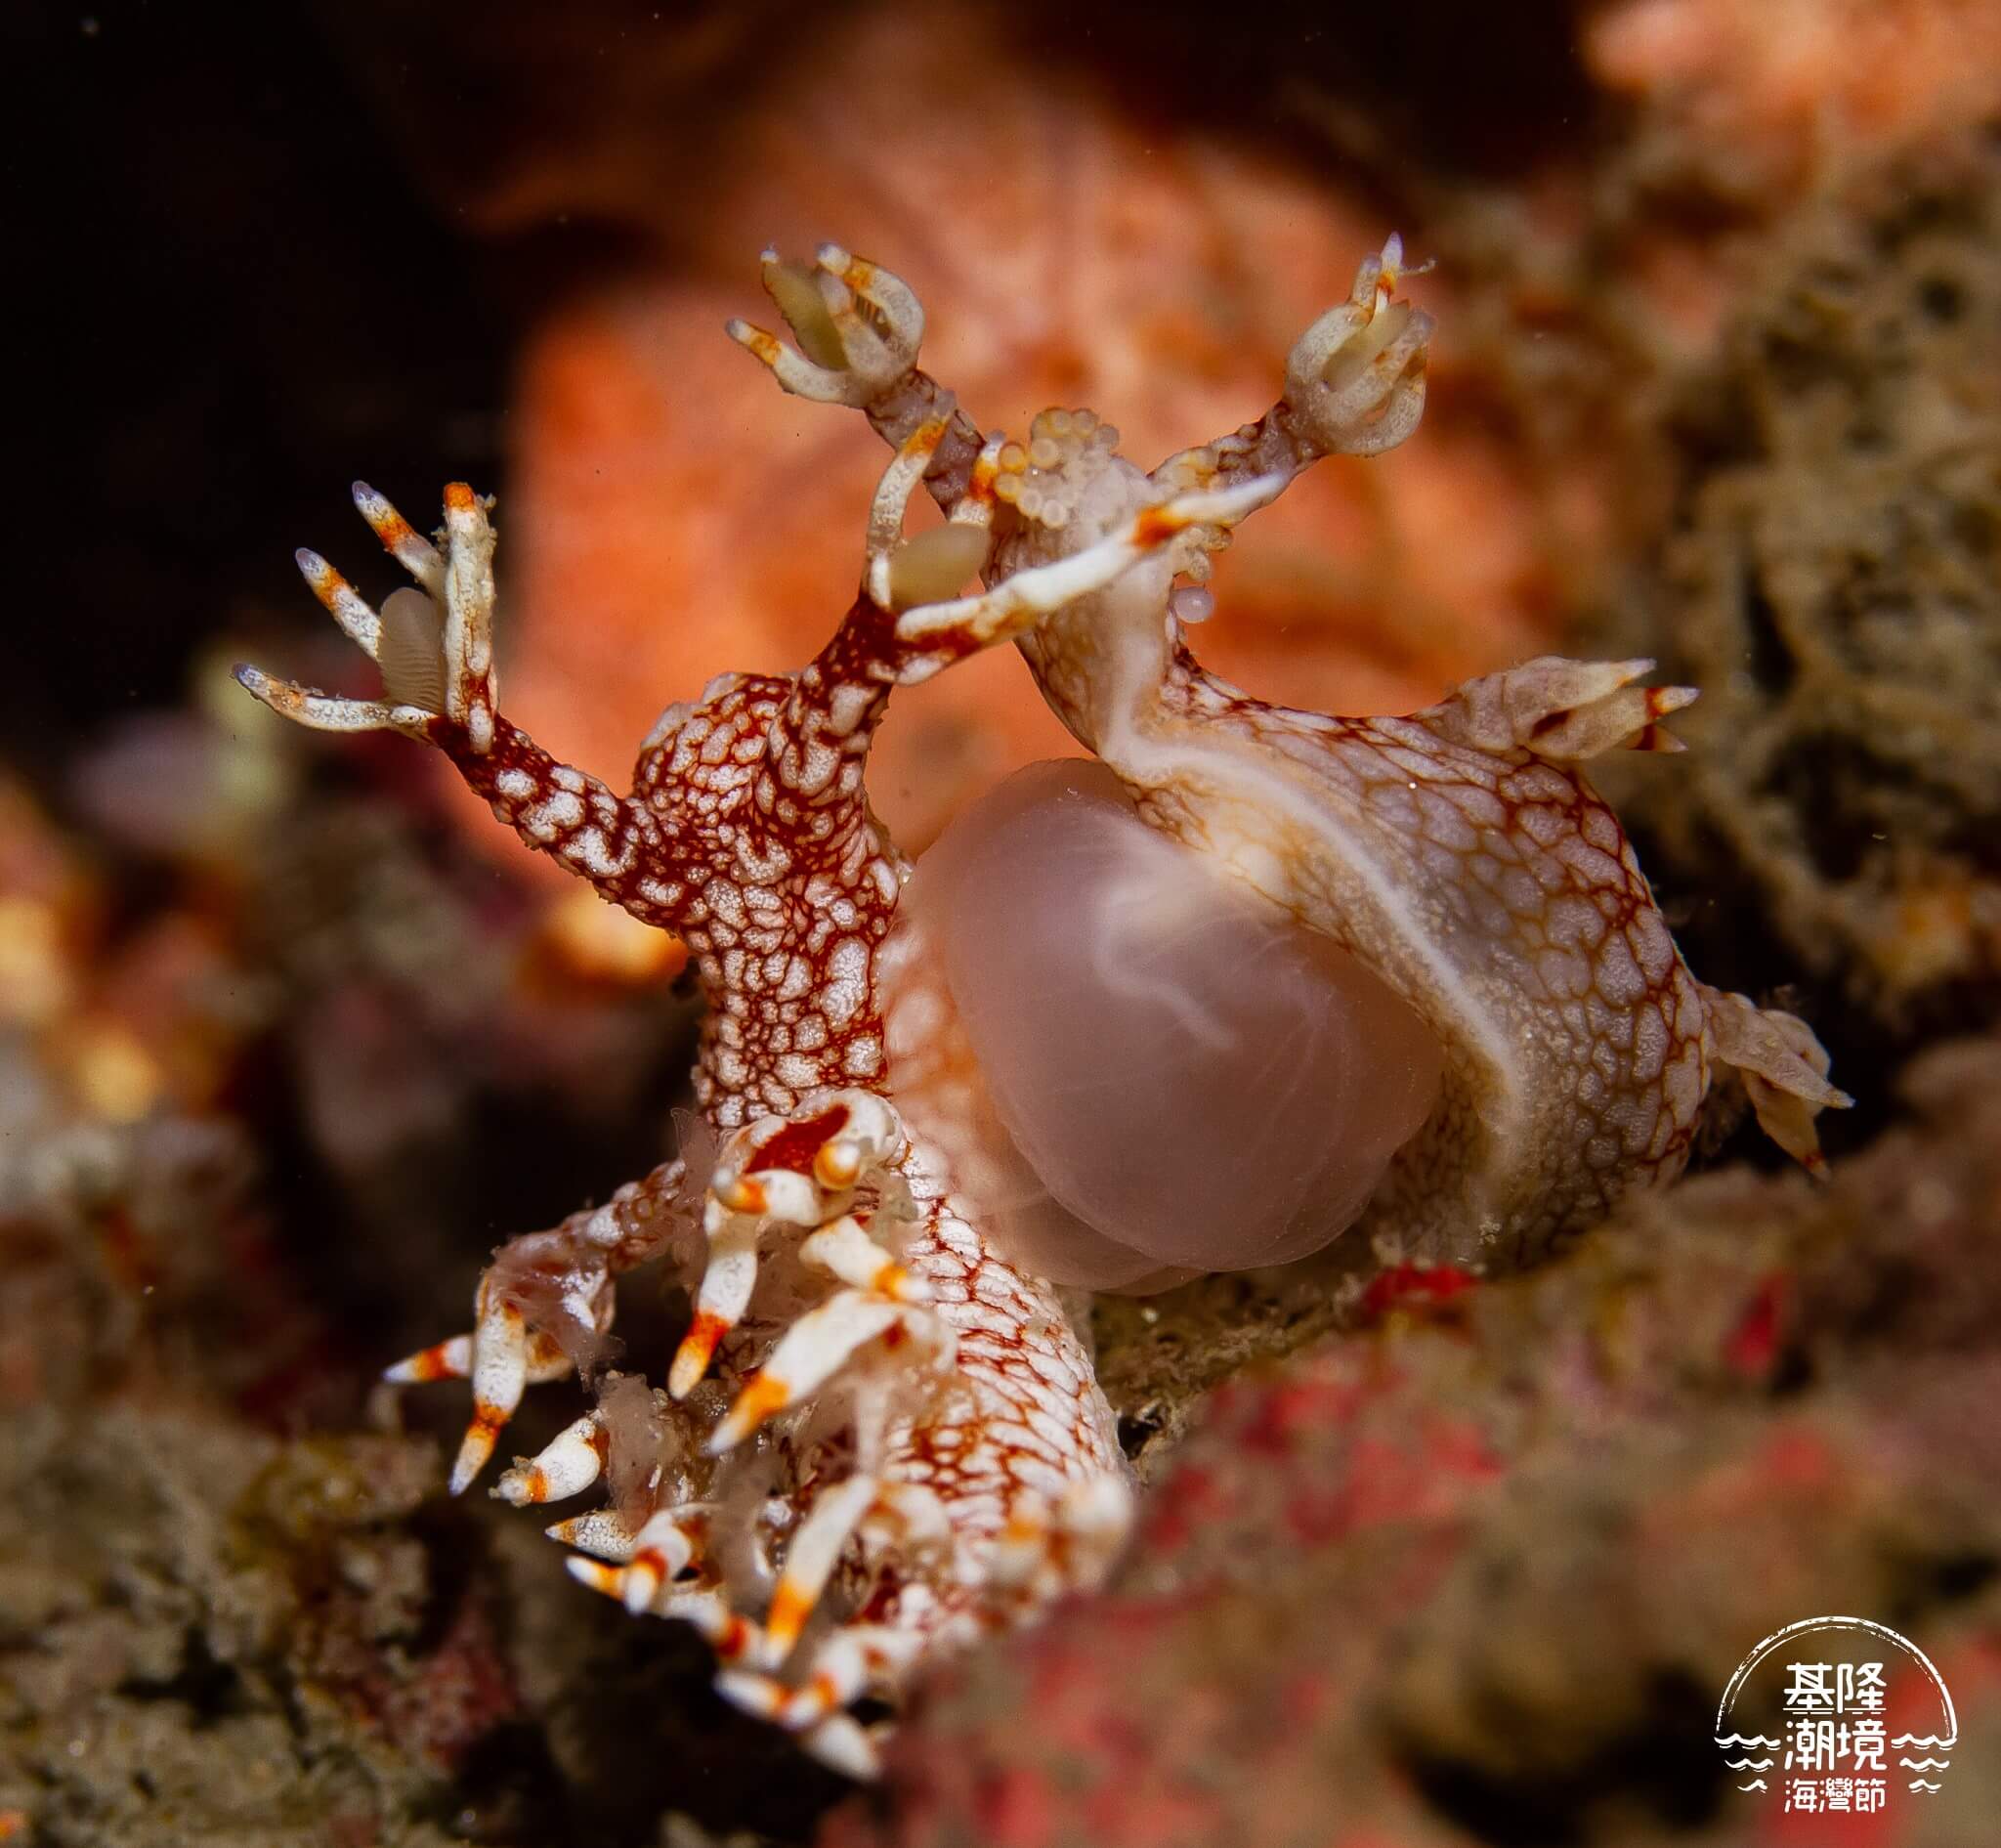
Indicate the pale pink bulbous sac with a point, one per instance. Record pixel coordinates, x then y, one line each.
1137 1067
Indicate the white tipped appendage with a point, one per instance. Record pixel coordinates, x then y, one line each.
1355 379
848 358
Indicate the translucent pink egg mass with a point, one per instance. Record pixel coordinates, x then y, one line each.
1167 1074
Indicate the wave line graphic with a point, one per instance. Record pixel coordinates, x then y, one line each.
1918 1784
1756 1784
1765 1764
1728 1739
1925 1764
1931 1741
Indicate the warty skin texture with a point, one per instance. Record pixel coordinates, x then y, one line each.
872 1406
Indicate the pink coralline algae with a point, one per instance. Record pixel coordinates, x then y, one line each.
882 1435
1482 1576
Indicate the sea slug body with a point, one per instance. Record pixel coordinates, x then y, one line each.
882 1409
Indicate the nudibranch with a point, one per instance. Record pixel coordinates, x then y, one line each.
1299 972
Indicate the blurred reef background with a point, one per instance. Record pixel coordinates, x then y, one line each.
291 1036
